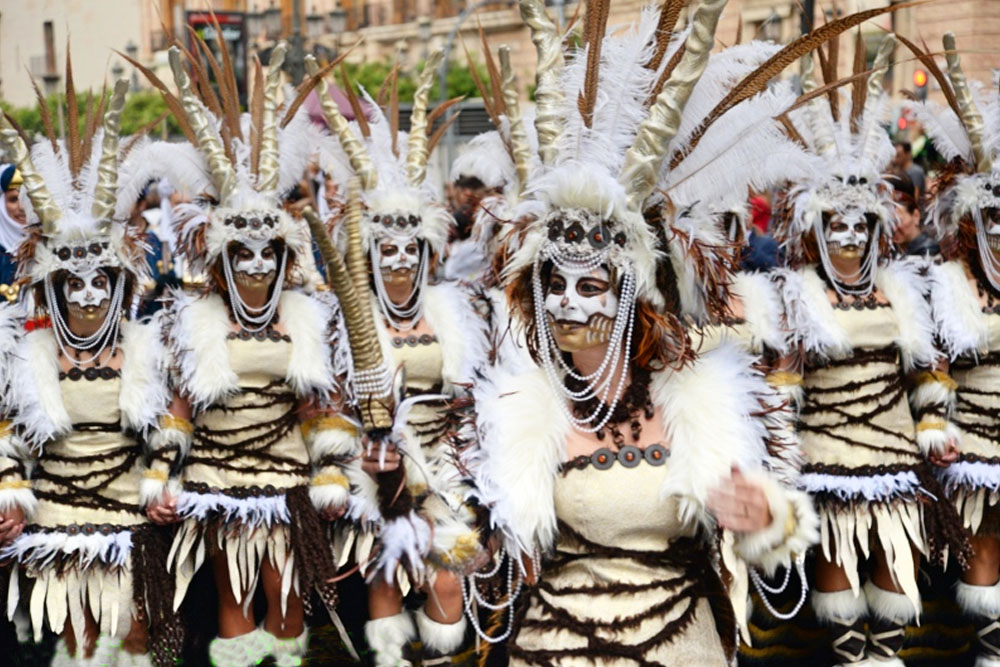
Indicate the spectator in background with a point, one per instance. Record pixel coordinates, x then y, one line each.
12 221
466 194
908 236
145 219
904 162
761 252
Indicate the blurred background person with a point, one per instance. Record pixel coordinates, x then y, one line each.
909 236
12 221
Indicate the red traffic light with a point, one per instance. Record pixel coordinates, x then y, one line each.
919 78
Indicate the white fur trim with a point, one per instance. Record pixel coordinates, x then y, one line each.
873 488
459 329
261 511
443 638
986 661
971 475
704 449
771 547
933 441
958 315
927 394
144 395
761 310
22 498
809 315
839 606
903 285
151 490
332 442
11 332
889 605
288 652
388 636
406 538
981 601
39 548
241 650
307 321
328 495
170 437
35 396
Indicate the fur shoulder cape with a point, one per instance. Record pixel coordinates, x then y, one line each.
197 328
958 316
707 409
35 400
761 311
812 325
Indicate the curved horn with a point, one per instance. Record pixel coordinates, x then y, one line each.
416 152
41 200
643 160
267 172
816 110
971 118
874 94
548 84
223 174
520 150
360 161
106 193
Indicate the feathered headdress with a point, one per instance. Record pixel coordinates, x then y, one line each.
847 134
77 191
392 165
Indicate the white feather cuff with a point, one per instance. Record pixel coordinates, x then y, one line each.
18 493
794 528
329 490
934 388
331 436
933 435
172 432
152 487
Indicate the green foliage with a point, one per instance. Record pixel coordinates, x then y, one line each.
141 108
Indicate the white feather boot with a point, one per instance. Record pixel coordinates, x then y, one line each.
289 652
982 604
442 642
890 614
390 639
845 613
240 651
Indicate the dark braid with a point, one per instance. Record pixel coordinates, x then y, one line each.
313 555
153 593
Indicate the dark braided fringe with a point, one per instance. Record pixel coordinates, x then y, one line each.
153 592
313 555
945 531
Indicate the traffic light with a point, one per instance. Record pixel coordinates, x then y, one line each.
920 83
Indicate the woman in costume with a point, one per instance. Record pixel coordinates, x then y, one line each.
257 368
12 221
859 325
603 469
432 338
82 387
964 294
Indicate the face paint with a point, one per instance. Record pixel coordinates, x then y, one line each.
88 296
254 263
847 236
991 223
581 309
398 259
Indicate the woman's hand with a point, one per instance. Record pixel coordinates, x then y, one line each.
370 456
740 505
11 524
163 511
331 513
946 456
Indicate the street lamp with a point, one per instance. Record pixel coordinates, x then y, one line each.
133 51
338 25
424 35
314 24
117 71
771 30
256 23
272 20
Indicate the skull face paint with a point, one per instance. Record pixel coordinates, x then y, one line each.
88 295
255 263
398 259
846 236
581 309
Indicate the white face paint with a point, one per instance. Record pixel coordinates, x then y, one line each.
255 257
581 309
846 237
398 257
88 290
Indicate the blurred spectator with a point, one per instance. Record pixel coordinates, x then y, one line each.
908 235
465 194
904 162
146 220
761 252
12 221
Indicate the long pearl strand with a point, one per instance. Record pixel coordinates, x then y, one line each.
106 334
472 598
986 258
762 588
402 318
249 318
863 279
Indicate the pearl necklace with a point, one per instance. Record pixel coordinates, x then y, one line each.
762 587
472 598
248 316
401 318
858 283
105 336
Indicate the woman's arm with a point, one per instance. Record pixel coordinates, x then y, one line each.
168 445
333 438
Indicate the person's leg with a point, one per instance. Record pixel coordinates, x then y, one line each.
837 606
978 594
239 643
891 611
390 630
441 623
288 630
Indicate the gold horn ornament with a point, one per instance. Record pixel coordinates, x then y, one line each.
971 118
642 161
360 161
548 78
267 173
46 209
519 147
416 152
223 174
106 192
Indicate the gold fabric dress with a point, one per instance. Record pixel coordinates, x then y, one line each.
629 584
863 466
246 458
78 548
973 481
